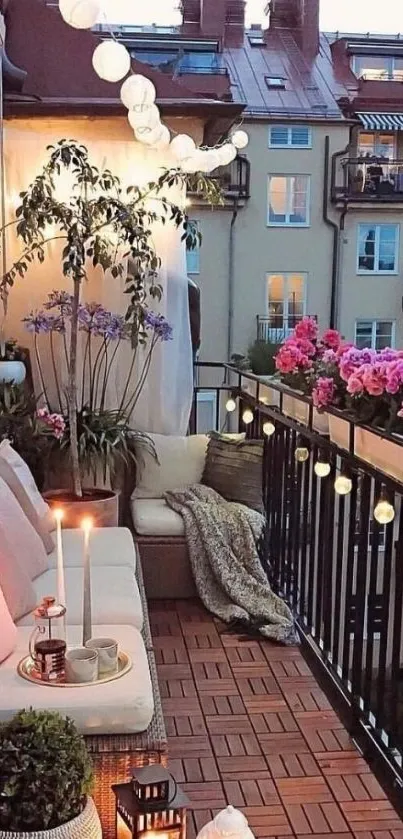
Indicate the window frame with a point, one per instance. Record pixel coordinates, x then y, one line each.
374 322
289 144
363 272
286 276
288 176
389 73
195 252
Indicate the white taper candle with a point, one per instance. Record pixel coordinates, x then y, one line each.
86 525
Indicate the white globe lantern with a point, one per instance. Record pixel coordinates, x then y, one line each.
204 160
81 14
137 91
150 137
144 118
212 160
163 141
182 147
111 61
228 823
227 153
240 139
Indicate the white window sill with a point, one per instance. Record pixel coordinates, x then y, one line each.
288 146
288 224
362 273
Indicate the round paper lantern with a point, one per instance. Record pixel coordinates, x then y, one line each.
163 141
213 160
227 153
150 137
182 146
144 118
111 61
81 14
137 91
240 139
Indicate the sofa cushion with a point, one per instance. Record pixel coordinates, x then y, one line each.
235 470
180 464
115 595
15 582
153 517
18 533
8 630
124 706
108 546
15 472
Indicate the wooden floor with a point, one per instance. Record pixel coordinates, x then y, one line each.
248 725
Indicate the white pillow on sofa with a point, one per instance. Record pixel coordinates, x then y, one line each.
17 475
18 536
8 630
180 464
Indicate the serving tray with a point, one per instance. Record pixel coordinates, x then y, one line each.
26 668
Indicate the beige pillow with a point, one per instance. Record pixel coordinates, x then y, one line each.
180 464
15 582
15 472
18 538
234 468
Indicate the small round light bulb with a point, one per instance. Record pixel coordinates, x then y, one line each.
343 485
269 428
322 469
301 454
247 416
230 405
384 511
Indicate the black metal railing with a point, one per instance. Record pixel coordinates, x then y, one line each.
233 179
369 179
339 568
276 328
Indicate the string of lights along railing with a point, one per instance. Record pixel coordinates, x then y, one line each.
112 63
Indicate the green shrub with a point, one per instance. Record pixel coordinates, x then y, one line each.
45 772
261 358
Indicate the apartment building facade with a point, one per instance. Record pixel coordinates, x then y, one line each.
320 231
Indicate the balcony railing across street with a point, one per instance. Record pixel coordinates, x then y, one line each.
276 328
371 178
339 568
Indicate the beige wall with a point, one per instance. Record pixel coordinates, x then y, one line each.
260 249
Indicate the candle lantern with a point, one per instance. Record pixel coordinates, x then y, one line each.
151 806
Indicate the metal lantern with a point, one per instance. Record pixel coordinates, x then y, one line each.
151 806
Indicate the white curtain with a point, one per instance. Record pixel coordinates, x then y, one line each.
165 403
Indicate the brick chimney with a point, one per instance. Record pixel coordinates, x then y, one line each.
302 16
222 19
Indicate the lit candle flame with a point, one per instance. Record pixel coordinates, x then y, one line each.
58 514
87 524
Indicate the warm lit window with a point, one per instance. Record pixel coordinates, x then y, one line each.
378 67
375 334
193 256
290 136
378 143
378 248
286 302
288 200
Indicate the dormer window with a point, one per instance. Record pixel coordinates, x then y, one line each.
378 67
275 82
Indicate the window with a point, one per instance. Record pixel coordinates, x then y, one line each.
169 61
288 200
286 303
378 67
375 334
193 256
378 143
276 82
290 136
378 248
256 39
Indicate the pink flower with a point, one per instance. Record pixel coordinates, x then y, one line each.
290 358
307 328
374 378
394 376
54 422
331 338
306 346
330 357
323 392
355 385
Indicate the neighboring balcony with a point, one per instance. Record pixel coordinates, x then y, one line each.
363 180
234 181
274 329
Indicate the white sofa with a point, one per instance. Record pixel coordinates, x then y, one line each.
124 706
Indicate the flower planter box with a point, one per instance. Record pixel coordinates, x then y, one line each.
297 409
249 386
267 394
339 430
383 454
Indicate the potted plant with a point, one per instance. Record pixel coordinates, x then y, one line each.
45 779
103 225
12 367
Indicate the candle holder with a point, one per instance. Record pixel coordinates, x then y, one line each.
151 806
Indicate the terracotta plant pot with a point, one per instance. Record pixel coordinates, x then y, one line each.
101 504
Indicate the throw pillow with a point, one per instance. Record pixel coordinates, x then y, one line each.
235 470
8 630
19 538
180 464
15 582
19 478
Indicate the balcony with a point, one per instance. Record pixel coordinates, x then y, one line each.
328 556
276 328
234 180
363 180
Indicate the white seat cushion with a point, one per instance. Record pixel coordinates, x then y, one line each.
180 464
115 595
108 546
153 517
124 706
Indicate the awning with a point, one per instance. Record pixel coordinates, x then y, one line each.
381 122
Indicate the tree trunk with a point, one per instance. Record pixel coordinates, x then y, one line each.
72 393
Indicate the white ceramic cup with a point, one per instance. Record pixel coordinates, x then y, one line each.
81 665
107 649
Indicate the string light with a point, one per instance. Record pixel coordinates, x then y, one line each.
343 483
322 467
80 14
230 405
269 428
301 453
240 139
384 511
247 416
111 61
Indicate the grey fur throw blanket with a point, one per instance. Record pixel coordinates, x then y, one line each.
222 540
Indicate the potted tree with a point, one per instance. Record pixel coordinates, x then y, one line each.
103 225
45 779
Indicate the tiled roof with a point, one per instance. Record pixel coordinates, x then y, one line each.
311 90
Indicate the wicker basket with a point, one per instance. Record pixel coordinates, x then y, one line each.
85 826
114 756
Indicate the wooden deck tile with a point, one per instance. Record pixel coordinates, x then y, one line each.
249 726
